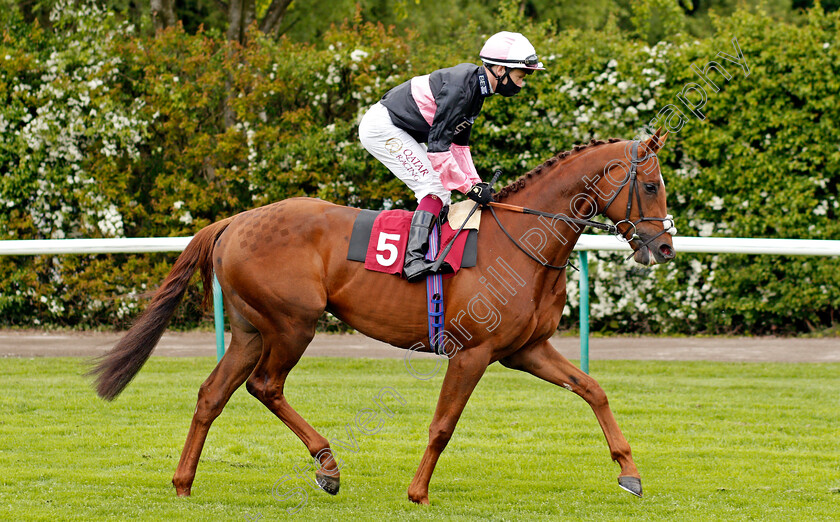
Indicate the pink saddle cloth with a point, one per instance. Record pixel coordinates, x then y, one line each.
389 237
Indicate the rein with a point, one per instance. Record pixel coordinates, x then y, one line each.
612 229
585 222
532 256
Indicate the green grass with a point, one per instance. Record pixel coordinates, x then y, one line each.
713 441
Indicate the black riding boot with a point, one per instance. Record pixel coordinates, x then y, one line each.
417 267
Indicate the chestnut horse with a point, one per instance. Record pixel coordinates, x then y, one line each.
281 266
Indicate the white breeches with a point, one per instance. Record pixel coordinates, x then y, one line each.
401 153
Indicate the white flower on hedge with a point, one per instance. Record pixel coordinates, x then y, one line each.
186 218
358 55
706 229
568 84
612 63
821 209
716 203
55 307
111 222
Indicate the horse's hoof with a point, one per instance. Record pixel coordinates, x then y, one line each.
181 491
327 483
423 501
631 484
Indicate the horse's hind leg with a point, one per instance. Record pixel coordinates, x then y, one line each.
543 361
238 362
283 348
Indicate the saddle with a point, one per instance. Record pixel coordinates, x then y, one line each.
379 240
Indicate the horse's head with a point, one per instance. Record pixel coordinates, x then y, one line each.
633 195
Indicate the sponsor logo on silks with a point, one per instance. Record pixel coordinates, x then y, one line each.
412 164
464 125
483 83
393 145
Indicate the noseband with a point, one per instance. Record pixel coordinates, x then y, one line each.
632 179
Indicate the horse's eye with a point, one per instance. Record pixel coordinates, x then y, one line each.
651 188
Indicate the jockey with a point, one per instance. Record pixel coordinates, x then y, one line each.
438 109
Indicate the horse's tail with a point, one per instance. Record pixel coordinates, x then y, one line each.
115 369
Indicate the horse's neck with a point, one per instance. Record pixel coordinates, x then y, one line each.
561 190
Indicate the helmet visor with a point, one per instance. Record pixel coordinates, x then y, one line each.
531 62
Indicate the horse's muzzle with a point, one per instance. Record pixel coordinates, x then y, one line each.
660 250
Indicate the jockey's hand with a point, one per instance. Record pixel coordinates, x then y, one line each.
481 193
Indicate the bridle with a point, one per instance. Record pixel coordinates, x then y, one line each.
632 179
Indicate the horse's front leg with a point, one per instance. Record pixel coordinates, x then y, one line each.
543 361
464 371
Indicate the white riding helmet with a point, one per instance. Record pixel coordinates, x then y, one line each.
511 50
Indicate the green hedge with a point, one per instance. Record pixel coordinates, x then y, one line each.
106 133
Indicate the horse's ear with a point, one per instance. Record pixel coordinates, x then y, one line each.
655 142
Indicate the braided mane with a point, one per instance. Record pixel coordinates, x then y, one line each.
522 182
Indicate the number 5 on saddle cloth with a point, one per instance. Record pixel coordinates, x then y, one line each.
379 240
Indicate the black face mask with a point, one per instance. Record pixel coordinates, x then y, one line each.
506 89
